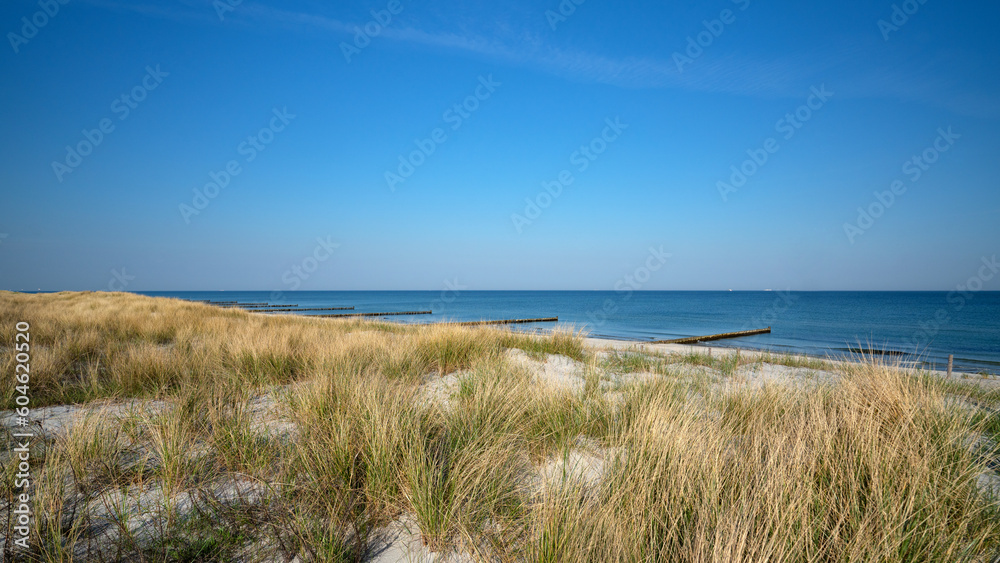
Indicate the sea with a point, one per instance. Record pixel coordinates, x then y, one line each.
923 327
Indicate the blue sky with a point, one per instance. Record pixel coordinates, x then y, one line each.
697 91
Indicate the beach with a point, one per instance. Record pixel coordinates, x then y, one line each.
923 327
165 428
545 282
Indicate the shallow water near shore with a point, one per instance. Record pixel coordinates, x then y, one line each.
909 325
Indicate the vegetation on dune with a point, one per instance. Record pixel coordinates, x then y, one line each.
99 345
272 437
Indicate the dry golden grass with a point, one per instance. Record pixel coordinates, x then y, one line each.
876 464
100 345
874 469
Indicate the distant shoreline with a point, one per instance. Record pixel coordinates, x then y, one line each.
617 343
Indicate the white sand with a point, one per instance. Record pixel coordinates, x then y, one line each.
584 463
556 371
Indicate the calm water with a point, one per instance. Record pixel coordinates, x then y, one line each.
931 324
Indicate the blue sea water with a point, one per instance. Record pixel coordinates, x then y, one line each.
925 326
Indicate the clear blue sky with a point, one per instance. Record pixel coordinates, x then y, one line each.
547 85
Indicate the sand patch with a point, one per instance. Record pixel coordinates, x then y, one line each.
57 420
400 542
440 390
556 371
756 376
583 465
269 412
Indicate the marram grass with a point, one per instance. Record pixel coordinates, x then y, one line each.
179 457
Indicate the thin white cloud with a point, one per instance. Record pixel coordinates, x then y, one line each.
715 71
718 75
853 69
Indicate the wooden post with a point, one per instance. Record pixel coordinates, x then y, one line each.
375 314
505 322
951 359
699 339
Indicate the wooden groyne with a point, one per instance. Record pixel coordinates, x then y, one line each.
375 314
873 351
293 309
709 338
505 322
227 305
265 306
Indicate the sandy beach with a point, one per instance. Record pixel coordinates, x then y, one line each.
198 432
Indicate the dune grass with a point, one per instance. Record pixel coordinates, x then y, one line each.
100 345
218 434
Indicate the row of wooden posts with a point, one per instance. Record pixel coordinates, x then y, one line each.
269 308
